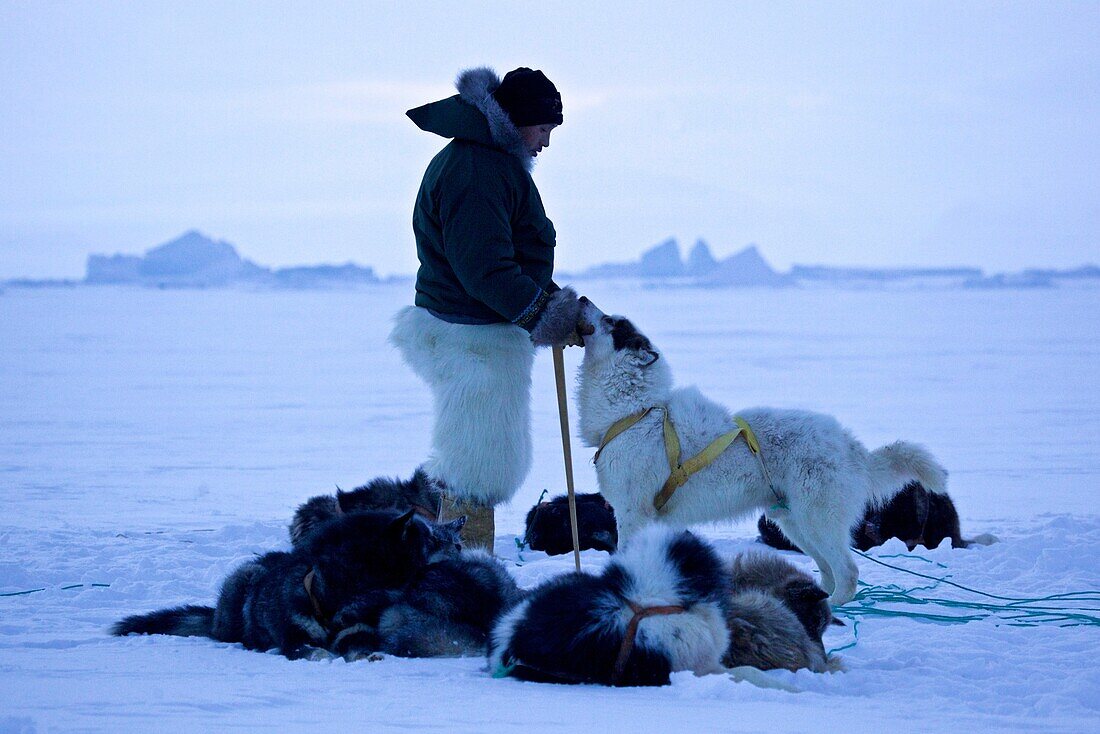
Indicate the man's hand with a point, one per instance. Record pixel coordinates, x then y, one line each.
557 326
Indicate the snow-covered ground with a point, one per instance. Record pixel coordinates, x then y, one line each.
151 440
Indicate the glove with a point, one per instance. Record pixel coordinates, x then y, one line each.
557 326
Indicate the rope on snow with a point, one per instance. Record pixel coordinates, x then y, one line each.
1063 610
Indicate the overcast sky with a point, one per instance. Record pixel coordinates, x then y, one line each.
909 133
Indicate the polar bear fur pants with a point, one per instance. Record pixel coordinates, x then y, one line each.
480 378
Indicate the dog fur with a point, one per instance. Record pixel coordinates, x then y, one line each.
915 516
418 492
776 616
820 471
360 564
548 528
570 628
480 378
449 609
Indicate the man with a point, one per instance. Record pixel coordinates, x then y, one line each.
484 293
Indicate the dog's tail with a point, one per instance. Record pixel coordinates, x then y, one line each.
895 465
186 621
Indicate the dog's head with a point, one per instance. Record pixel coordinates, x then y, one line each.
368 550
621 372
613 338
444 539
773 575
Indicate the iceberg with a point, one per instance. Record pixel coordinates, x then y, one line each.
701 262
194 260
745 268
321 276
662 261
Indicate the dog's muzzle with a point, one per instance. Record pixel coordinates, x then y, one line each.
585 327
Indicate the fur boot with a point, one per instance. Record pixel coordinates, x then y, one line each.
479 532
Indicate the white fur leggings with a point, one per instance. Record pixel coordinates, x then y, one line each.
480 378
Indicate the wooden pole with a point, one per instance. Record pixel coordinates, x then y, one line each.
563 415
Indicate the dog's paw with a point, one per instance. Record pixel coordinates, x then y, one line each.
316 654
760 679
370 657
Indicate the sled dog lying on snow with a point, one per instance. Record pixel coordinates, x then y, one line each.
815 480
658 607
449 609
548 526
776 616
915 516
416 493
327 594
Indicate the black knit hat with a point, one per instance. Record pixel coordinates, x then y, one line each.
529 98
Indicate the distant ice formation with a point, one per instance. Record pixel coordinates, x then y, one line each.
745 268
748 268
193 260
1027 279
700 262
662 261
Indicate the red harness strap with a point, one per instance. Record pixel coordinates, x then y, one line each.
318 613
627 647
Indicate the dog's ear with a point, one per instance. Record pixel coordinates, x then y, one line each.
403 527
625 336
643 357
456 524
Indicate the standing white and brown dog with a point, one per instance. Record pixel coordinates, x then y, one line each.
815 480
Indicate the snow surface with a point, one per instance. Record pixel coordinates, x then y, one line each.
152 440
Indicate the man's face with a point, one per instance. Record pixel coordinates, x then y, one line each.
536 137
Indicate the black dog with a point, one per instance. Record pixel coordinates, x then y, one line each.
450 608
548 526
914 515
326 595
416 493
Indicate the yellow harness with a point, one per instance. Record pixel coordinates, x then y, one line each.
679 472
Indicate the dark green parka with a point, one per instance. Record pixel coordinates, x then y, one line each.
485 245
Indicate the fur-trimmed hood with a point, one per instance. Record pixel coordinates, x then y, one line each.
474 114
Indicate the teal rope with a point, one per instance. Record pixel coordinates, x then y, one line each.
521 544
1018 612
1014 599
913 556
855 639
63 588
503 671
